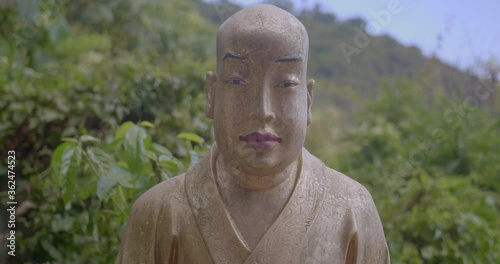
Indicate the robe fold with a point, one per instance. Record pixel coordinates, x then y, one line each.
329 218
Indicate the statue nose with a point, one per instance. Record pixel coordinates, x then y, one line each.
262 109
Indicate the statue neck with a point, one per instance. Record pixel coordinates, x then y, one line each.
254 182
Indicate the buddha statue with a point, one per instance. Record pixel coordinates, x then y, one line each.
258 196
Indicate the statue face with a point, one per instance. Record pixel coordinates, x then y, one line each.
260 100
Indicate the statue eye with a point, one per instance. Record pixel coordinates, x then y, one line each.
235 81
287 84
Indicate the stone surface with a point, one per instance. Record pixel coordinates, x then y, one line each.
258 196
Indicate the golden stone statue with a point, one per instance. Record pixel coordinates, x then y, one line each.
258 196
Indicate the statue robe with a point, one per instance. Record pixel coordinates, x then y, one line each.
329 218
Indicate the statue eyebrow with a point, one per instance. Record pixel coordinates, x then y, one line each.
289 58
233 55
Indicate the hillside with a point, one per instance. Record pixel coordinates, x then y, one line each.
335 59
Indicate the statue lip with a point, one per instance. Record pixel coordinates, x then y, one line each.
261 140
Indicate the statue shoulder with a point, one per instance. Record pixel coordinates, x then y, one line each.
347 186
160 194
340 184
140 239
352 195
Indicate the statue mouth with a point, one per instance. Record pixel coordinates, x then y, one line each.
261 140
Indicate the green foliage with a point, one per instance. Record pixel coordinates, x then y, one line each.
431 164
89 190
72 72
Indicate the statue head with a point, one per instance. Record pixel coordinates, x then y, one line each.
259 97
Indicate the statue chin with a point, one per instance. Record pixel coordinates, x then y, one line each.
255 166
258 163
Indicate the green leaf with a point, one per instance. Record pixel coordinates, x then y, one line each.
162 150
49 115
147 124
72 140
115 144
123 129
56 158
169 164
100 160
88 138
86 187
191 137
70 167
117 175
148 142
151 155
135 150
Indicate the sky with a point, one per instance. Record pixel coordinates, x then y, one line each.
458 32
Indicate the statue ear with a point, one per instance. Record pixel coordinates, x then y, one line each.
310 97
210 83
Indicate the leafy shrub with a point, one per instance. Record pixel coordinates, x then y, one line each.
64 76
89 191
432 167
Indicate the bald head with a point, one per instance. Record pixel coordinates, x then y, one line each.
255 28
260 88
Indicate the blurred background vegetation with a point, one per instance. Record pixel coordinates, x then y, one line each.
103 99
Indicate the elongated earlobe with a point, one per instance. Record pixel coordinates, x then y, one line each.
210 83
310 97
